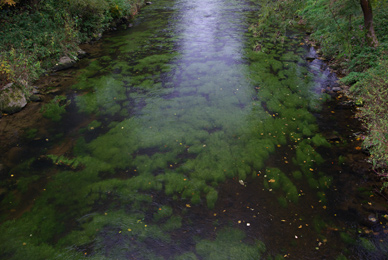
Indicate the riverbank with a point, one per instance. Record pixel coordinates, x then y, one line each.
42 36
336 30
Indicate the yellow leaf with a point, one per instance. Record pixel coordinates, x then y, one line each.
10 2
271 180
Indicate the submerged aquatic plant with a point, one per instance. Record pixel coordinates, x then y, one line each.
55 108
229 245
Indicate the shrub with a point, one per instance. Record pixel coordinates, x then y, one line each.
373 91
31 41
20 67
33 38
89 16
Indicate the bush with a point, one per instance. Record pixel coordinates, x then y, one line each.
20 67
33 38
89 16
31 41
373 91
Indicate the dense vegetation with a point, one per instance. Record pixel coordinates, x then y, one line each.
34 34
342 32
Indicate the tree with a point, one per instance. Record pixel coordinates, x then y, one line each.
370 34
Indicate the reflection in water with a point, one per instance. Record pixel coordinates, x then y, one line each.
196 147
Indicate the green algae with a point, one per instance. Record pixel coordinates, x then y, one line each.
347 238
276 179
367 244
55 108
229 245
163 212
186 256
173 223
107 92
30 133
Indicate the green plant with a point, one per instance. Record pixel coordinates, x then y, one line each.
62 160
55 108
120 8
31 41
90 16
373 90
20 67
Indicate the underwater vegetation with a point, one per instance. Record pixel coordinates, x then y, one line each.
173 119
55 108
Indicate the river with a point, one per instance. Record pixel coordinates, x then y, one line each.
178 139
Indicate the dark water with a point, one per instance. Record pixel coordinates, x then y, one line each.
183 142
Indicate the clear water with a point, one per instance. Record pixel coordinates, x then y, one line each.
183 142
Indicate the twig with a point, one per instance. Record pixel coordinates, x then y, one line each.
382 195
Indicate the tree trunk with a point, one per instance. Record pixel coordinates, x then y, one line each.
370 34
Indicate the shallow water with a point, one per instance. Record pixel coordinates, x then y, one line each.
182 142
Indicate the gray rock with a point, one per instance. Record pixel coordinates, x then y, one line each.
81 53
12 99
64 63
336 89
35 98
35 90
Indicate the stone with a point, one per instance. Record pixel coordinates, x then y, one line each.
35 90
81 53
12 99
35 98
64 63
336 89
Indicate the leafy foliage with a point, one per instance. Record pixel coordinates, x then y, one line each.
33 38
374 112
